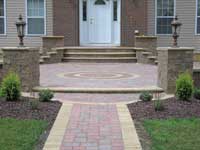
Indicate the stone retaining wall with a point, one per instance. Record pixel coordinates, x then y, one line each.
172 62
25 62
196 77
148 43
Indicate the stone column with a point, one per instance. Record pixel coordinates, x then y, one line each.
149 43
171 62
25 62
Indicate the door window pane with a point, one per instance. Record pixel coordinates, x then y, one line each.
115 10
84 10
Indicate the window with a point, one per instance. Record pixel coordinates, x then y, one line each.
165 15
198 18
100 2
84 10
115 10
2 16
36 17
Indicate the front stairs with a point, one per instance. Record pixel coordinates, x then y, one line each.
100 54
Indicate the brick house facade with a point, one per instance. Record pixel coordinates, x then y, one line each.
62 18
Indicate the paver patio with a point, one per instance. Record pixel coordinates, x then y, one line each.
98 75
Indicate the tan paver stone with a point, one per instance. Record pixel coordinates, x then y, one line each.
57 132
130 137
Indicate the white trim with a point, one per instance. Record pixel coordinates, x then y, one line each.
196 18
83 26
162 17
45 19
5 20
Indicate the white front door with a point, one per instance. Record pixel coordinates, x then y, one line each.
100 22
100 19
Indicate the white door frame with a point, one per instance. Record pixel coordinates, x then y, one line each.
84 27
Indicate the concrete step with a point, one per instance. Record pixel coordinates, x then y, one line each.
152 57
99 49
147 53
100 54
100 90
100 59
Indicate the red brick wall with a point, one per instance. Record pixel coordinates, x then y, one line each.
133 17
66 20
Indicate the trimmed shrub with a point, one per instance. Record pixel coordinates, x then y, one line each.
196 93
184 87
34 104
158 105
45 95
11 87
146 96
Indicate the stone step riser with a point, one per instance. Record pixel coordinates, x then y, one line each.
100 60
99 55
100 50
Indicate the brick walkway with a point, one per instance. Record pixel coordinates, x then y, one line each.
93 127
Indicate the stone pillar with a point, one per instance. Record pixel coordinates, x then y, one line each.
171 62
49 42
25 62
148 43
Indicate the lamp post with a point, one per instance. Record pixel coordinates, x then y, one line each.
20 24
176 27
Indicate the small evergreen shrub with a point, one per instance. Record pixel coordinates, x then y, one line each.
34 104
146 96
45 95
196 93
11 87
158 105
184 87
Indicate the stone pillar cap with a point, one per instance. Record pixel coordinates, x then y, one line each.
18 48
175 48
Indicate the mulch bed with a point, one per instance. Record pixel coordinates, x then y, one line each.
173 109
22 110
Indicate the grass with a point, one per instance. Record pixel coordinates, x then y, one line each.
20 134
174 134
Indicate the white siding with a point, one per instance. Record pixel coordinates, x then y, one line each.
13 9
186 11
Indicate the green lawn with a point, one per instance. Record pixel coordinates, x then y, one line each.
20 134
174 134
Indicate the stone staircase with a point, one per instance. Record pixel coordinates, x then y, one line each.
99 54
149 58
50 57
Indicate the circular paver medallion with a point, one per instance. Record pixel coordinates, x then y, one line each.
98 75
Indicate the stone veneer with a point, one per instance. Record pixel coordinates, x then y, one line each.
149 43
25 62
196 77
49 42
171 62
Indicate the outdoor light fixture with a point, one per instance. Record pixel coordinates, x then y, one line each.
176 28
20 24
137 32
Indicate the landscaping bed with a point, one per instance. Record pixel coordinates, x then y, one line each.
150 124
22 111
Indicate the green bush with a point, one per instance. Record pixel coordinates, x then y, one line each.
34 104
11 87
158 105
146 96
196 93
45 95
184 87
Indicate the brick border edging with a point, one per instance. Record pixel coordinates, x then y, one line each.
58 130
130 137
